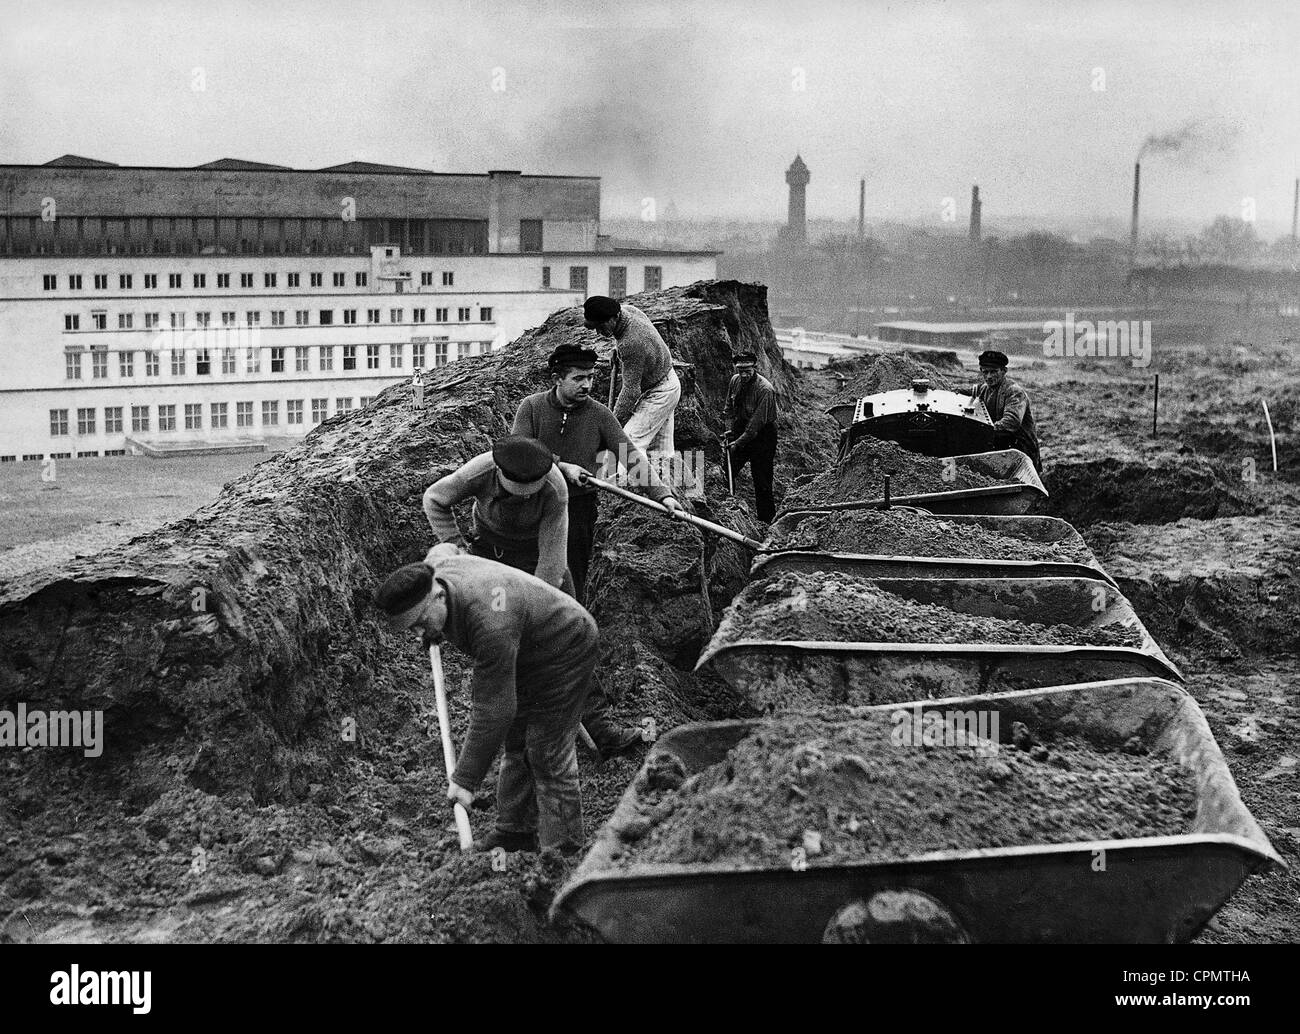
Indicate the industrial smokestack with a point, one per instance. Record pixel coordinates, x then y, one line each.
975 206
862 208
1295 212
1133 231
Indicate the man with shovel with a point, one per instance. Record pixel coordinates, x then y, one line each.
750 412
534 649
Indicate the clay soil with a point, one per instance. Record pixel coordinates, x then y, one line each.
842 791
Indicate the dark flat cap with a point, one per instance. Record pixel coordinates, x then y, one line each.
992 358
597 309
743 357
404 588
572 355
521 459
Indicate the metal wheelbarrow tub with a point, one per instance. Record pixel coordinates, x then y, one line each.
1157 889
1021 490
1043 530
776 674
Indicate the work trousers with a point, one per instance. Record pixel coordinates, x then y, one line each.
760 454
537 788
650 427
524 559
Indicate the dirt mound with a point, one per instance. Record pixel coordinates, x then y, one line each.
846 791
892 371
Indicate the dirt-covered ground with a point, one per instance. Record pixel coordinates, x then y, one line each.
275 771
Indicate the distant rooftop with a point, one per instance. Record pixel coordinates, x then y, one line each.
962 328
77 161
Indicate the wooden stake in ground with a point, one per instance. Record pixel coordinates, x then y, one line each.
448 751
1272 440
1155 405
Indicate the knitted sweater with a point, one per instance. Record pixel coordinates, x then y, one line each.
750 408
644 357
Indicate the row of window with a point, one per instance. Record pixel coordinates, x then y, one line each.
176 281
653 279
301 318
206 359
38 456
191 413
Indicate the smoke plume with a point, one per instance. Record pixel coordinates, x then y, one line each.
1200 140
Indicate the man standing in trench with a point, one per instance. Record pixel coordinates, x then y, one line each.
750 412
577 429
534 649
1008 406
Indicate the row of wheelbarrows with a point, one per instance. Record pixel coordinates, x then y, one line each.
1034 632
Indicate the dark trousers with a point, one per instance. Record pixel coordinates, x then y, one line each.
583 511
520 559
760 454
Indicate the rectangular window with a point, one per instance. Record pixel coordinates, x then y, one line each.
618 281
462 349
100 320
394 357
200 280
228 360
319 410
252 319
270 413
243 414
74 282
300 317
174 281
462 314
448 278
277 317
362 279
268 279
166 418
193 416
546 276
372 357
315 279
151 364
426 279
151 320
326 353
71 321
252 360
217 416
417 315
417 355
178 362
485 314
394 315
112 419
578 278
101 281
342 406
85 421
72 365
440 315
245 279
349 357
151 281
293 411
223 279
176 320
440 353
139 418
124 281
58 422
326 317
294 279
340 279
300 359
203 362
654 278
126 364
372 315
530 235
124 320
349 316
277 360
99 363
203 318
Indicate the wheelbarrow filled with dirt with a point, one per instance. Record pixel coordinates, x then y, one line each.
1001 482
804 640
906 542
1095 813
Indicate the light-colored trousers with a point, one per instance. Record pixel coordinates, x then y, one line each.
651 424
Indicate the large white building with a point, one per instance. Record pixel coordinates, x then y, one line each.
150 310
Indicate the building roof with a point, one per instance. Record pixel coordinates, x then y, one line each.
241 165
370 167
75 161
961 328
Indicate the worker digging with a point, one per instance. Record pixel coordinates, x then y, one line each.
750 414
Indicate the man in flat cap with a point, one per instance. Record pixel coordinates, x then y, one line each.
521 508
533 659
1008 406
577 429
750 413
651 390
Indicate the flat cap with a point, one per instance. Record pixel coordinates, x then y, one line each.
522 460
993 358
572 355
404 588
598 308
743 357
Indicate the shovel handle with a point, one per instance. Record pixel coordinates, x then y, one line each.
448 751
689 518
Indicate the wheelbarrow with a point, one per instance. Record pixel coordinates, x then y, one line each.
1035 530
1145 889
776 674
1019 491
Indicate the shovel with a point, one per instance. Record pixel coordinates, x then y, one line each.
448 751
689 518
726 454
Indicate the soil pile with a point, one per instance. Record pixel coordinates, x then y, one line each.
848 791
889 372
861 475
833 607
901 532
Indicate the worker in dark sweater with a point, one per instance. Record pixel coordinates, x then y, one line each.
521 508
1008 406
651 389
533 658
577 429
750 412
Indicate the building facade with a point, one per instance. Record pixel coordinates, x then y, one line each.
148 309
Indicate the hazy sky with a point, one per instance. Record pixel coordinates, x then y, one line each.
696 103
